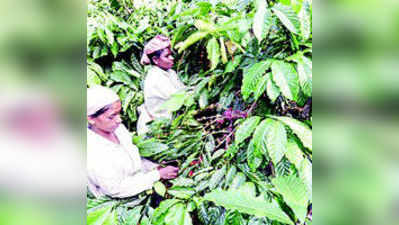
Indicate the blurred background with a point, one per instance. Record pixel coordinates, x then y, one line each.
356 113
43 128
42 112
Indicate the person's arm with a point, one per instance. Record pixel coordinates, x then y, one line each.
133 185
130 185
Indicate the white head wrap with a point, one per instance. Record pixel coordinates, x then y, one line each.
98 97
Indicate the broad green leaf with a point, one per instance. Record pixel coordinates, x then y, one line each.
203 99
246 128
115 49
181 192
304 68
238 180
133 216
191 40
294 153
305 19
252 76
111 219
223 50
232 64
206 26
261 87
175 214
285 76
160 188
248 188
110 36
276 140
259 137
151 147
92 78
98 216
175 102
212 49
245 203
287 16
262 20
301 130
305 173
123 77
186 218
230 175
272 90
217 177
160 212
294 193
254 156
183 182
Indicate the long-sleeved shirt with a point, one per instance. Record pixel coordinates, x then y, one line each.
159 86
116 170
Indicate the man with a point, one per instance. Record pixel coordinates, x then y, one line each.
160 83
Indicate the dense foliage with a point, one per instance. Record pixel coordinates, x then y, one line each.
241 132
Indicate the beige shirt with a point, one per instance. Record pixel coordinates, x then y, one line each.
159 86
116 170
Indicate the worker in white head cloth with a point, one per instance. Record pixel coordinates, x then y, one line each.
114 165
160 83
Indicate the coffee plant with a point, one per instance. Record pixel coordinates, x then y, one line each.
241 132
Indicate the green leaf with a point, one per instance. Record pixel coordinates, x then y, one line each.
262 20
302 131
203 99
287 16
294 193
175 102
217 177
223 50
304 68
181 192
92 78
260 87
133 216
160 188
99 216
259 137
252 76
232 65
238 180
123 77
191 40
254 156
246 128
212 49
175 214
186 218
160 212
206 26
305 19
276 140
285 76
305 173
183 182
151 147
272 90
294 153
230 175
246 203
115 49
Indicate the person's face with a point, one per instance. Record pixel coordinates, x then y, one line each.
165 60
110 119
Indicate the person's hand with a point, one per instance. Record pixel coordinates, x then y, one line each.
168 172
